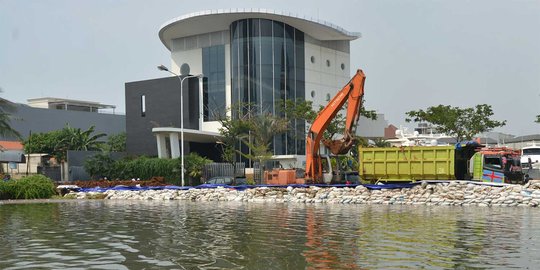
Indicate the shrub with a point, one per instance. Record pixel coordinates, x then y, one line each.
30 187
146 168
250 179
194 165
99 166
6 189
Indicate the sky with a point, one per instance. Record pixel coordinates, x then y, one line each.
415 54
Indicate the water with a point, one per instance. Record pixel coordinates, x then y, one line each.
195 235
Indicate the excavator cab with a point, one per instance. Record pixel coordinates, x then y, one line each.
337 169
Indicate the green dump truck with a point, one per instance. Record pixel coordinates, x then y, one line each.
465 161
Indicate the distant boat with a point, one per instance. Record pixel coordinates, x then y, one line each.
404 138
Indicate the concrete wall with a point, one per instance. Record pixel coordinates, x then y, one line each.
26 119
162 98
76 160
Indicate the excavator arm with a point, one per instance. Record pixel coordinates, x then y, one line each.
353 93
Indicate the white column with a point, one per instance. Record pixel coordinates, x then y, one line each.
175 145
161 146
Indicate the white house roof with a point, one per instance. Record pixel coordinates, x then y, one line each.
52 100
218 20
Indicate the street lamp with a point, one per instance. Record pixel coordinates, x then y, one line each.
164 68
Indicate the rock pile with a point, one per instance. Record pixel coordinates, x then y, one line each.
459 193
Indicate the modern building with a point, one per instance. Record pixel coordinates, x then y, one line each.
253 56
48 114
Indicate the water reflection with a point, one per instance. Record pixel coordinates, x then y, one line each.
189 235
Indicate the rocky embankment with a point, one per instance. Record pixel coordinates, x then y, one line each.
451 193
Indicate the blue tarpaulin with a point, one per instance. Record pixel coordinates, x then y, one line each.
463 144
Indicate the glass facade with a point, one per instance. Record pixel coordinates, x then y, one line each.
267 68
214 82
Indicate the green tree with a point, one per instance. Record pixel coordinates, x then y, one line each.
303 110
47 143
58 142
116 143
100 165
232 131
194 165
462 123
6 108
537 119
77 139
381 143
251 129
262 129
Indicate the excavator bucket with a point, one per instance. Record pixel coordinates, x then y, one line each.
340 146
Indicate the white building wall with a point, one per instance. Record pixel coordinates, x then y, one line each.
323 81
191 57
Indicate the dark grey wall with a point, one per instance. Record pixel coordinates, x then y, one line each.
25 119
162 110
76 160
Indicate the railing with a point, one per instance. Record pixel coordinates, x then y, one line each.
224 169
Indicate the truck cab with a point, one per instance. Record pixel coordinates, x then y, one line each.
497 165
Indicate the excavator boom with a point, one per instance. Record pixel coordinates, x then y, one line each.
353 93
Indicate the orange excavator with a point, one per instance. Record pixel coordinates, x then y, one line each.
353 92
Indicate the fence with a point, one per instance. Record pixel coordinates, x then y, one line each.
223 169
77 173
258 173
53 172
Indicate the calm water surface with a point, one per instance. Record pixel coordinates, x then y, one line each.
194 235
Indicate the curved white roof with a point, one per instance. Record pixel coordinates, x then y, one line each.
218 20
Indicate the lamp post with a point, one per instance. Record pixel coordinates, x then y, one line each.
164 68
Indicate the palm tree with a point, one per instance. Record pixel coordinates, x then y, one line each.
76 139
263 128
380 142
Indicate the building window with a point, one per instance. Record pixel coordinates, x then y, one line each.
342 66
313 59
214 82
328 63
312 93
267 68
143 105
